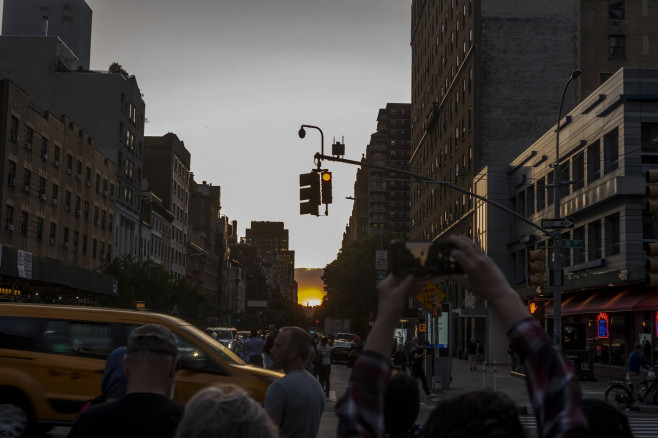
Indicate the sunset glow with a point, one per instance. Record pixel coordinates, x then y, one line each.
310 288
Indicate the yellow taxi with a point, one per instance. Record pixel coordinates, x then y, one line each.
52 359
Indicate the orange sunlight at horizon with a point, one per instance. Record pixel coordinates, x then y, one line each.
310 287
310 296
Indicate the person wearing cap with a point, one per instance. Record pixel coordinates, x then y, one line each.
635 362
150 366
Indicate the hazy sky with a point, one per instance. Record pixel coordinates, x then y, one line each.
235 79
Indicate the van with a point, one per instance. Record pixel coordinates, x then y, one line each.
53 359
228 336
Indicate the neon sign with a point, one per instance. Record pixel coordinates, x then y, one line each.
602 325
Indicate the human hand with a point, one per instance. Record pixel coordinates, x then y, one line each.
394 291
481 274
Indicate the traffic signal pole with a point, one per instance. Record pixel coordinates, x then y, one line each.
427 179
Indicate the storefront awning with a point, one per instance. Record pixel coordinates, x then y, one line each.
603 301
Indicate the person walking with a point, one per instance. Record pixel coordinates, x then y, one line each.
472 349
150 366
254 346
324 368
269 342
294 402
417 370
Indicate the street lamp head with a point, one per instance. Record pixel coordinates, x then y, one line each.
302 132
574 74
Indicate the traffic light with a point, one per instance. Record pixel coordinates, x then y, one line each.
536 267
327 196
536 308
309 193
652 191
651 249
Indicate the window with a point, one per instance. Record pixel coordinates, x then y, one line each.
541 193
9 218
611 151
578 170
77 206
76 236
103 219
530 200
95 215
616 10
56 156
612 239
27 179
594 240
94 245
617 47
67 201
84 244
565 188
579 253
44 148
39 228
25 218
88 177
593 162
86 210
53 232
14 129
64 338
98 183
649 137
55 194
69 164
11 178
66 237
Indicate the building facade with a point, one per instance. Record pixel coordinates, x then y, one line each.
54 210
167 169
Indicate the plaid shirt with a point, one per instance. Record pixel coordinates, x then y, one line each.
552 386
361 409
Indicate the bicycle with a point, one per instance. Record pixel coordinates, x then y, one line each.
621 392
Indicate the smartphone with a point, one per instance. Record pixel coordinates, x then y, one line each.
423 258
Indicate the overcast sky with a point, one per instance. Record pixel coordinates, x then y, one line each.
235 79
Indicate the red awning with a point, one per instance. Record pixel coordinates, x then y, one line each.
604 301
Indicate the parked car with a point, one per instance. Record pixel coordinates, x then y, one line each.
341 351
349 337
229 337
53 359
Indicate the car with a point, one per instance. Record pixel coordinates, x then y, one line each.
341 351
53 358
229 337
345 337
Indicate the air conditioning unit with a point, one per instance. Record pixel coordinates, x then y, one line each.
12 181
104 193
26 188
54 201
88 183
43 196
78 212
44 156
69 171
102 256
56 163
65 245
28 146
15 137
10 227
52 240
79 177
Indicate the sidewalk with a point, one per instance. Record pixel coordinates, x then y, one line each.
500 379
464 380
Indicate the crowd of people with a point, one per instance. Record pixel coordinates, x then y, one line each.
375 404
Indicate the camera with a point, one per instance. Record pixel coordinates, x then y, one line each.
423 258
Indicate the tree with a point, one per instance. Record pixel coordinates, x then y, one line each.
350 282
115 67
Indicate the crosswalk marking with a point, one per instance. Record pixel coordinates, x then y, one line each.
642 425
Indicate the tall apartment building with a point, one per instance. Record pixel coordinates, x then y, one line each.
279 262
70 20
167 169
155 228
381 198
203 231
487 79
57 214
109 105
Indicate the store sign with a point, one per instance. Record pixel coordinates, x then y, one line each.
602 322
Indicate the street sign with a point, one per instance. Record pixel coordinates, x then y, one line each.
381 260
426 297
567 222
573 244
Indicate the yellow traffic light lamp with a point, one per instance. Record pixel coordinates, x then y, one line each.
326 181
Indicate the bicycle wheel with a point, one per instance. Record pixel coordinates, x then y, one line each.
618 395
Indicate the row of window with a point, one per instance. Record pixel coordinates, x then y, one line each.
36 227
101 218
583 166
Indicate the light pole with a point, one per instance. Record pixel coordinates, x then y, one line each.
302 134
557 235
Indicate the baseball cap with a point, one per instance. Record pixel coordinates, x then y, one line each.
152 337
